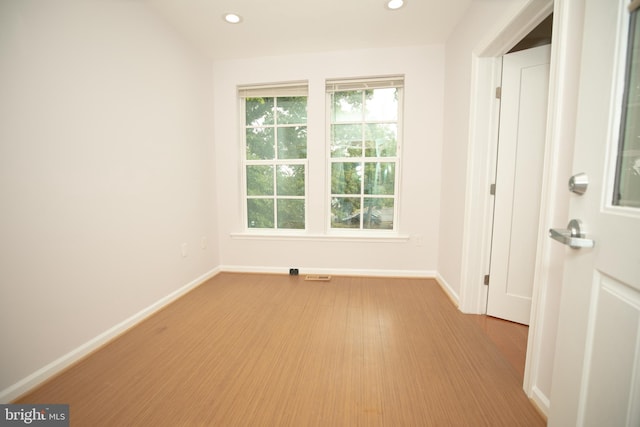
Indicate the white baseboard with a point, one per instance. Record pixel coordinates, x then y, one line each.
428 274
453 296
540 400
23 386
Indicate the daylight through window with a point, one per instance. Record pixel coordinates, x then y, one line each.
364 142
275 160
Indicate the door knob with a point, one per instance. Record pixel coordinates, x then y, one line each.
572 236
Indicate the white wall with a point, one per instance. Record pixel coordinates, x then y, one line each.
105 170
417 250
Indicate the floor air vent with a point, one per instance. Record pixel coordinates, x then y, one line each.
318 277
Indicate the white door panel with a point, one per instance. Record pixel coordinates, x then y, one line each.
596 379
611 362
523 113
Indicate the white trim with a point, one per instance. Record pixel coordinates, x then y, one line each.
421 274
541 401
363 236
24 385
563 88
563 92
446 287
481 157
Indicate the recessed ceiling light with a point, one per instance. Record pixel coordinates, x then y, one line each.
232 18
395 4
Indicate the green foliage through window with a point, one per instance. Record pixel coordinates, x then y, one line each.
275 159
364 150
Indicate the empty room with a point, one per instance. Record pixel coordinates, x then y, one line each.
329 213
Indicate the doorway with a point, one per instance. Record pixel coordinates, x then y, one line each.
563 95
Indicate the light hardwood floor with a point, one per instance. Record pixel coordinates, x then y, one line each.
510 338
275 350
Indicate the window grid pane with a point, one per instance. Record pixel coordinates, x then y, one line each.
364 158
291 213
259 180
275 159
260 213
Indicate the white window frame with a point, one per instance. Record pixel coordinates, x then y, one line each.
626 55
271 91
339 85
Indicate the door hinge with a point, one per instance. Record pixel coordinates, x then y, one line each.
499 92
492 190
486 279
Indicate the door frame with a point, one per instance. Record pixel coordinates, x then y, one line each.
563 87
481 156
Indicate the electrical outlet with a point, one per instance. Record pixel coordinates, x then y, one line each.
203 242
184 250
419 240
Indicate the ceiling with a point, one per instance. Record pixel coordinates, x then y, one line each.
279 27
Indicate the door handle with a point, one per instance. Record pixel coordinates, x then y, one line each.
572 236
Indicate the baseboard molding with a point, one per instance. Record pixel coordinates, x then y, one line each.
453 296
540 401
427 274
46 372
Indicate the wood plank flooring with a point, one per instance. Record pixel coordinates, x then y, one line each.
510 338
271 350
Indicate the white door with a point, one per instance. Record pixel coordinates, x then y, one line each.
596 379
520 161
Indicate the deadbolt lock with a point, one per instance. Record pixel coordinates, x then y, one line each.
578 183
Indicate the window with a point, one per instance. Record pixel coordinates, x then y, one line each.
627 184
364 142
275 156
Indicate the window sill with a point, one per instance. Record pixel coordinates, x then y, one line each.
328 237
